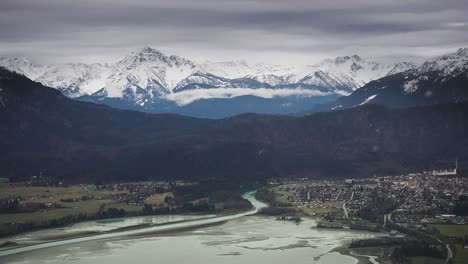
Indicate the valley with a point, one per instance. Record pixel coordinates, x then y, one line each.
233 131
42 202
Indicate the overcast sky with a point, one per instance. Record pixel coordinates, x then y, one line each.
282 31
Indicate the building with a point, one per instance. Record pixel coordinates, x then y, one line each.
447 172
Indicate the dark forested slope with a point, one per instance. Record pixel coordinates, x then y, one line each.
41 130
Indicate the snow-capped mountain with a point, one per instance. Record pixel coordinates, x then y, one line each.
153 73
146 77
149 69
75 79
351 72
443 79
449 64
270 74
226 69
23 66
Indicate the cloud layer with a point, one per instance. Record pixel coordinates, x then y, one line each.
301 31
190 96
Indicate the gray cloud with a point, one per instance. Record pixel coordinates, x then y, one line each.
295 31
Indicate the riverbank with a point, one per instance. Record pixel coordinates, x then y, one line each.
373 255
229 239
28 208
252 239
250 196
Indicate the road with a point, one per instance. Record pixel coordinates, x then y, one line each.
338 195
388 217
345 210
250 196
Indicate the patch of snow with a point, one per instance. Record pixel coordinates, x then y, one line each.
349 73
410 86
368 99
336 107
450 64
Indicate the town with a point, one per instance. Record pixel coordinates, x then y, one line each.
430 206
414 198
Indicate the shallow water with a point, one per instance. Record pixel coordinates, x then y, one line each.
246 238
253 239
51 241
98 226
111 224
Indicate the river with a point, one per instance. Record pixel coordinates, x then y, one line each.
211 239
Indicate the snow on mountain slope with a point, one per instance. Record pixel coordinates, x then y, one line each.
449 64
401 67
75 79
23 66
446 66
199 80
368 99
351 72
279 74
147 73
271 74
148 69
442 79
338 82
226 69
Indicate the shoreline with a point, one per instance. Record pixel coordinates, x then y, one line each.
135 230
130 215
4 236
142 225
84 234
373 255
126 231
181 230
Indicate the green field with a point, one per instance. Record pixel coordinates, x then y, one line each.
426 260
452 230
461 255
282 197
159 198
458 231
54 195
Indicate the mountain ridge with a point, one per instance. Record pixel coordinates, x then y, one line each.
42 130
443 79
157 73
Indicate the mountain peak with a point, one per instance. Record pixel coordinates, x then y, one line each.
153 56
142 56
16 60
22 66
462 52
147 72
343 59
450 64
148 50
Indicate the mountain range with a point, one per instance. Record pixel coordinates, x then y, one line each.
42 130
439 80
151 81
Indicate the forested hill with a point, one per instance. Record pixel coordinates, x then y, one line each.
41 130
